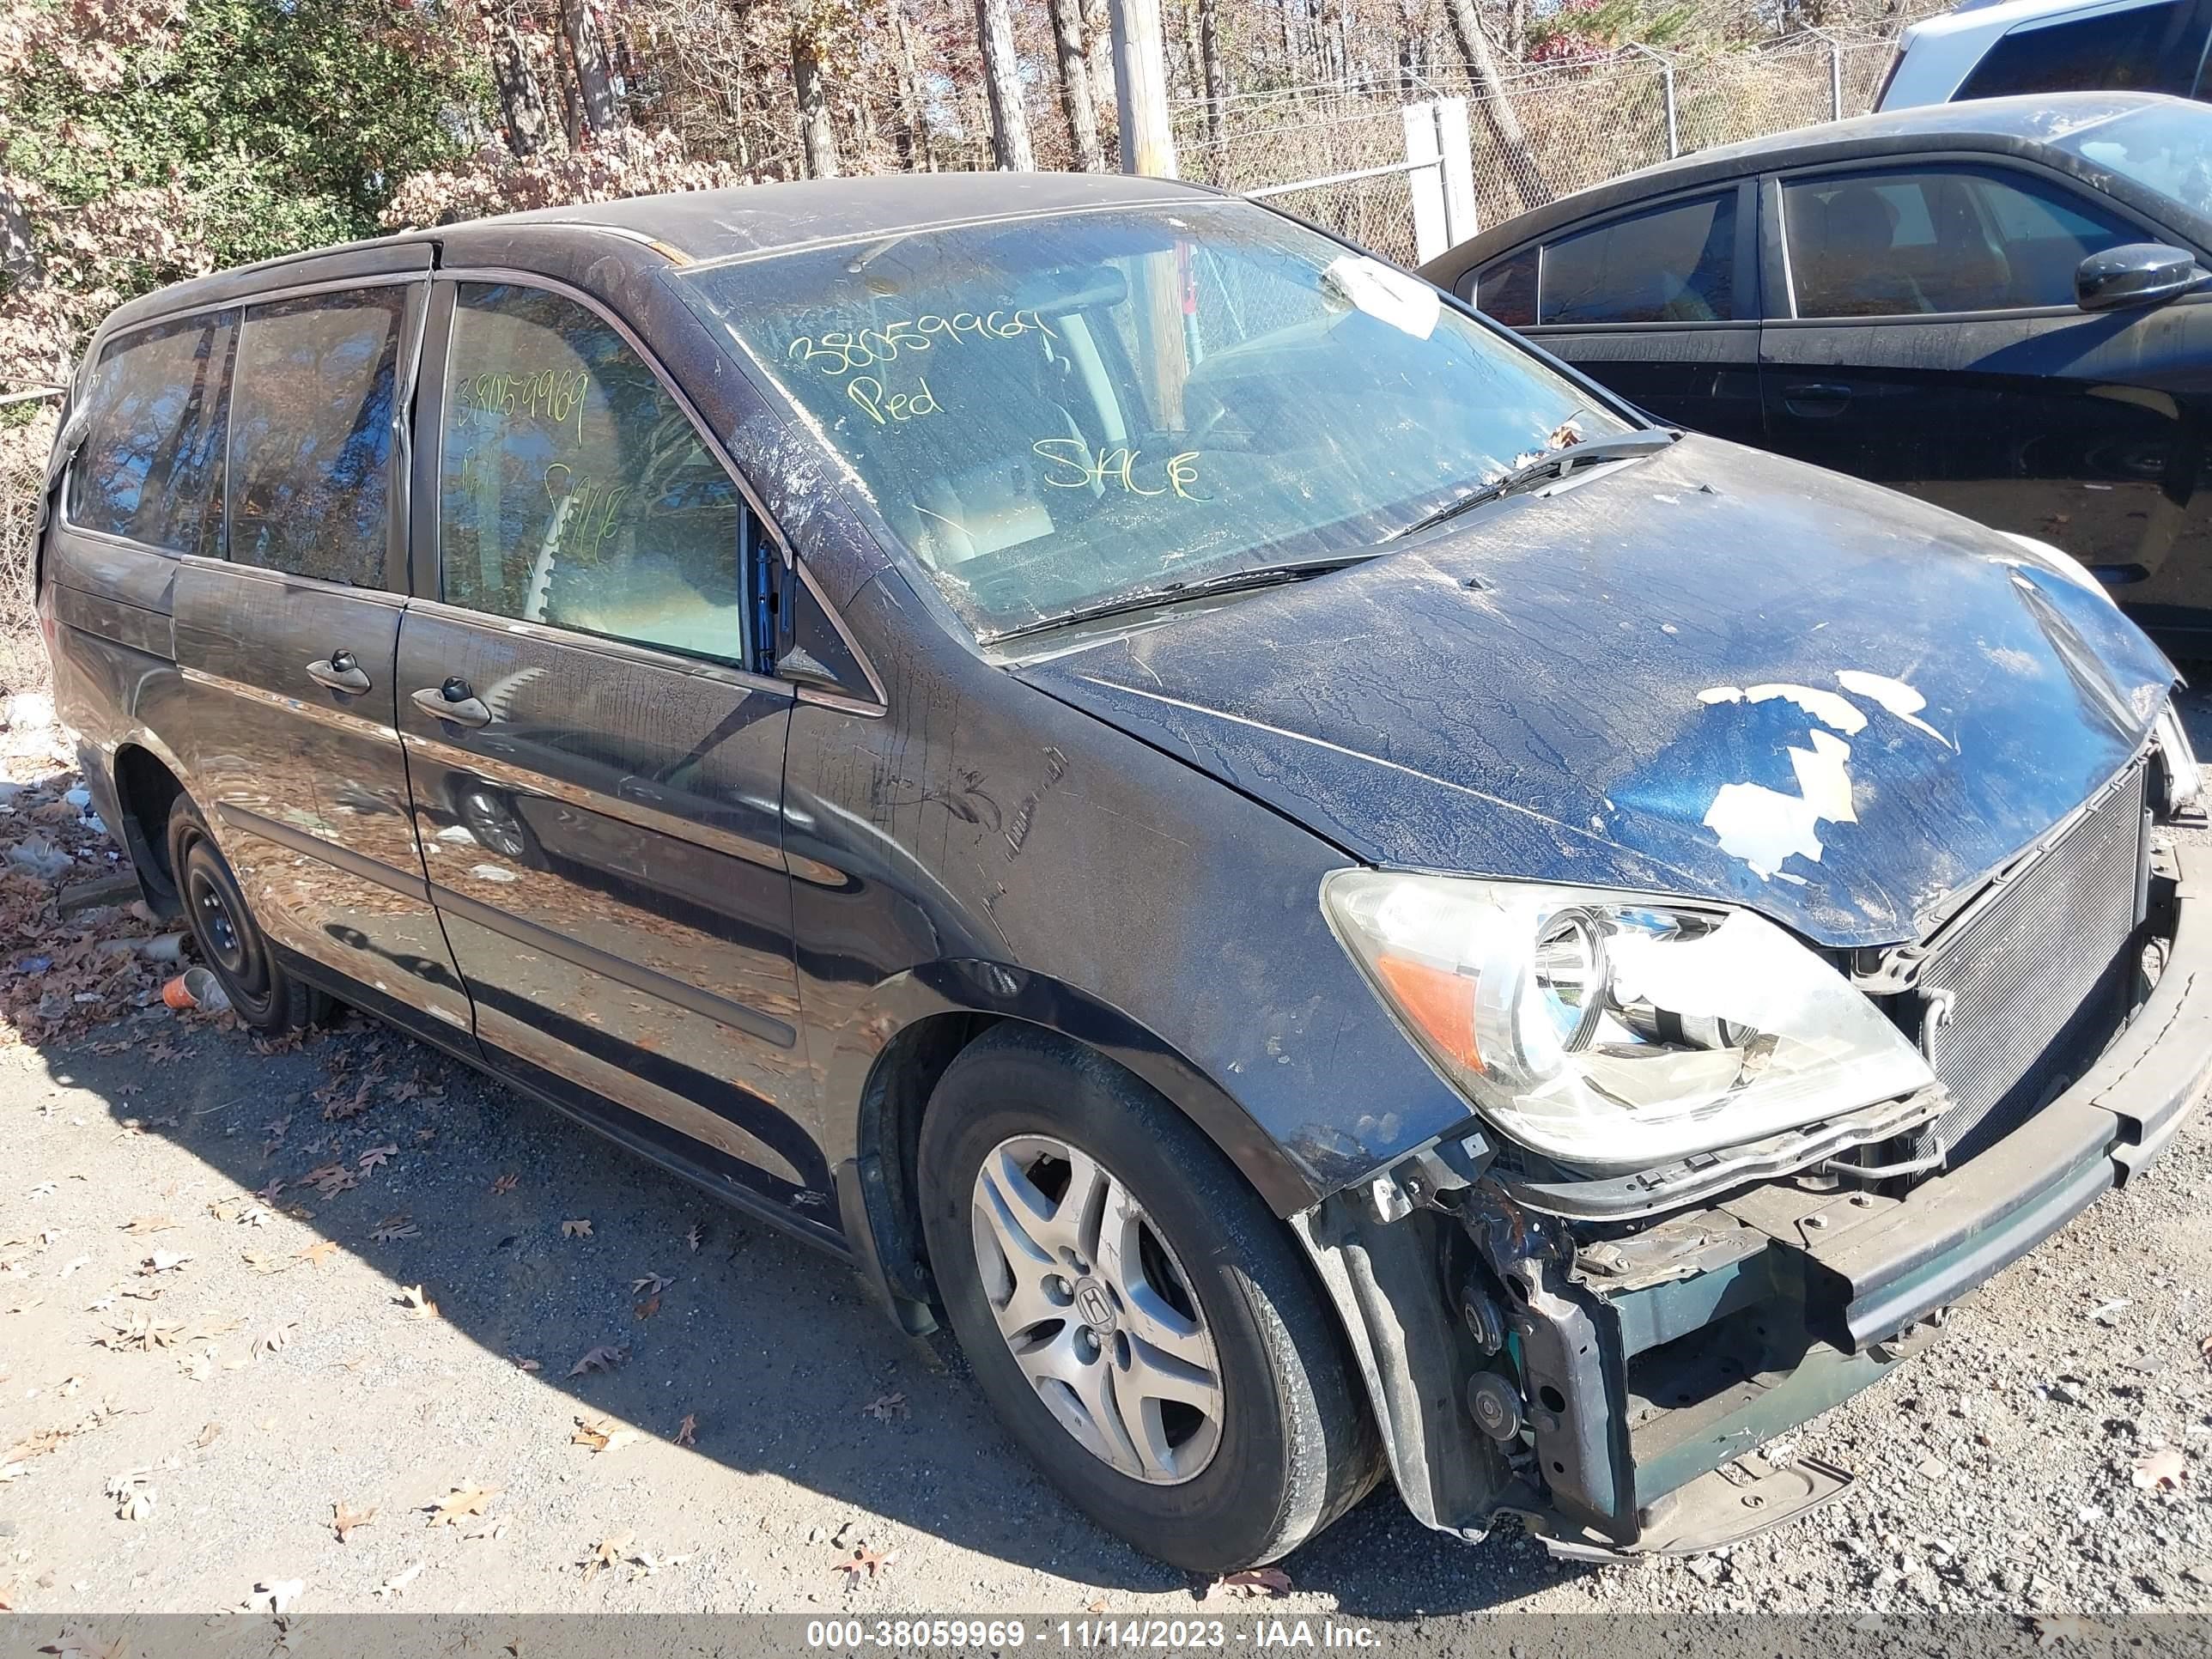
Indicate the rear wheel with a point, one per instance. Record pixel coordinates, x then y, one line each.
261 993
1145 1326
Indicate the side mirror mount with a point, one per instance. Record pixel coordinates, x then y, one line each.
2136 274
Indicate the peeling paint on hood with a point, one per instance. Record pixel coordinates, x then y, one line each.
1782 687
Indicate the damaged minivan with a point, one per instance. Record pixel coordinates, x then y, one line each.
1330 900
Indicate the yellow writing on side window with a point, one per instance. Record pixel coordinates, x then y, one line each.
867 390
551 395
585 512
1082 468
842 351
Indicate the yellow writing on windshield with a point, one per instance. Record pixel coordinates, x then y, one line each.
867 390
1083 468
842 351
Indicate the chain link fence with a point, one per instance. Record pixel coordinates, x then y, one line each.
1581 123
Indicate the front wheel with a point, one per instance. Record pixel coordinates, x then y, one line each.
1146 1328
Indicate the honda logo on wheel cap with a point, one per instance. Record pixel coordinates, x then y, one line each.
1094 1305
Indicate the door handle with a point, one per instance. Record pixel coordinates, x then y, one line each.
452 701
1815 399
339 671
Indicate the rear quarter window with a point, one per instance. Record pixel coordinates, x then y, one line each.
151 468
1506 291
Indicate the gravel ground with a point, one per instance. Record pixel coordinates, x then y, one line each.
266 1370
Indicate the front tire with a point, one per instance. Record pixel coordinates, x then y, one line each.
1143 1324
230 941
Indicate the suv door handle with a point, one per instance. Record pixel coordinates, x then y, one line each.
452 701
339 671
1815 399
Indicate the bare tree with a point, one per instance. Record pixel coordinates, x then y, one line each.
587 50
1529 181
1002 85
1215 84
1098 28
817 132
20 265
521 100
916 148
1075 85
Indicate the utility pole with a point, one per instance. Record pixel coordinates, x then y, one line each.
1140 89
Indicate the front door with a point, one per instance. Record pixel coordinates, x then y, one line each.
598 775
286 647
1928 340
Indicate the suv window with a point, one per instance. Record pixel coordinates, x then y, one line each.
1674 264
1920 240
2146 49
573 488
1506 291
151 467
311 434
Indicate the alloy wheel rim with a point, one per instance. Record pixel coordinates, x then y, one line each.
1096 1311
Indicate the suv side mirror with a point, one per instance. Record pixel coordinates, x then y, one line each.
2136 274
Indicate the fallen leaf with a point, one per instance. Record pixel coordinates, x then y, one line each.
318 1252
522 1364
278 1595
397 1582
2165 1467
208 1436
609 1551
687 1432
1253 1581
277 1341
374 1157
650 1284
575 1229
461 1501
601 1434
647 1309
419 1305
694 1238
645 1564
164 1262
2050 1631
504 1185
394 1227
151 1224
865 1560
600 1359
884 1408
344 1519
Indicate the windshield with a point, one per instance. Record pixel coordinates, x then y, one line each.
1056 413
2167 148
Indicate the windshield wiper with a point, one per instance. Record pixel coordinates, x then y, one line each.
1229 581
1552 465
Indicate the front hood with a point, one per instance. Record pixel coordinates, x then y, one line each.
1715 674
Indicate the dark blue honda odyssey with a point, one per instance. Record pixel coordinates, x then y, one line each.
1329 899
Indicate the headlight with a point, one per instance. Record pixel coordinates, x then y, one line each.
1613 1032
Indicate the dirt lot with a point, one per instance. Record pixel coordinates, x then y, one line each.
492 1350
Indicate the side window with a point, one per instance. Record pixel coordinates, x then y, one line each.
572 491
151 467
2146 49
1506 291
1676 265
311 434
1925 240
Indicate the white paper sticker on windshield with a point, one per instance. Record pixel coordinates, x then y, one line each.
1407 303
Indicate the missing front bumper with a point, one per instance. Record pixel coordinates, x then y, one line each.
1645 1375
